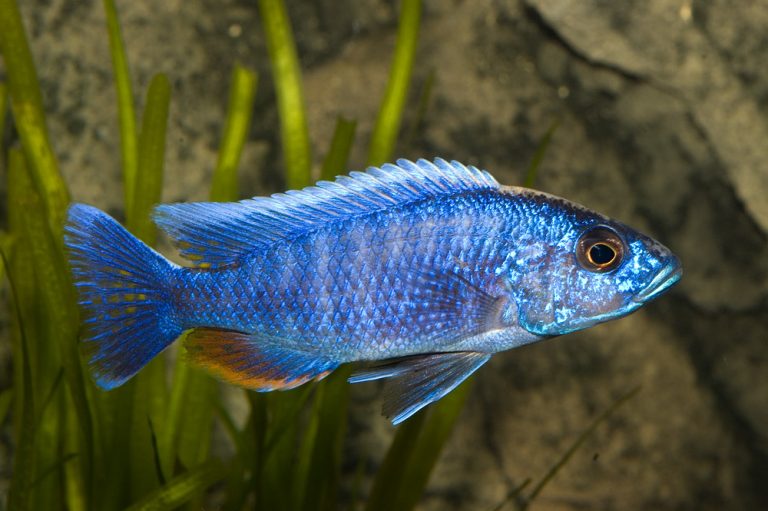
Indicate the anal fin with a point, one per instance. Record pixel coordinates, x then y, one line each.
250 362
416 381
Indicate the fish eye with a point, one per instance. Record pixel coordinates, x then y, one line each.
600 250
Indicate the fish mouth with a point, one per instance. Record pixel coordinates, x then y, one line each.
660 283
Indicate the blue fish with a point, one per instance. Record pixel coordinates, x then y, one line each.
427 268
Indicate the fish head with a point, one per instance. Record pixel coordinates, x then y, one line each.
593 270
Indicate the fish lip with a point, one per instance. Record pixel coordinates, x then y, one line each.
660 283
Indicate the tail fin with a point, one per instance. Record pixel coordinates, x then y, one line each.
123 288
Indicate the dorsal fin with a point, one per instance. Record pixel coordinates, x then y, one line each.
213 234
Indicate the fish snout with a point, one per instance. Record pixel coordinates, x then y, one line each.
669 274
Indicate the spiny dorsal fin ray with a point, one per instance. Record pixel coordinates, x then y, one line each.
217 234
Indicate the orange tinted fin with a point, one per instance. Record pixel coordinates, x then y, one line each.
249 362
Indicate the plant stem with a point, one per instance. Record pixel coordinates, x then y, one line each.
387 125
129 145
27 108
290 96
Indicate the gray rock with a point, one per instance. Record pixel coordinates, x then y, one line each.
660 42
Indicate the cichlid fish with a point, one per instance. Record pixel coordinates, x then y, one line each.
430 267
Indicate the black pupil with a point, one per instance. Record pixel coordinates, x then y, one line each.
601 253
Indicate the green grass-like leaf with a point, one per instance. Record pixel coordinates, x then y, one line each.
129 146
181 488
335 162
538 155
6 245
27 108
512 495
241 95
248 441
24 457
414 452
387 125
150 395
318 470
5 397
290 95
193 430
149 180
422 106
3 110
56 306
54 346
22 283
278 445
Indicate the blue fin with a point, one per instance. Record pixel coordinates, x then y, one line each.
214 234
462 308
244 360
416 381
122 286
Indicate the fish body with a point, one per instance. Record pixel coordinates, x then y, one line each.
392 283
429 267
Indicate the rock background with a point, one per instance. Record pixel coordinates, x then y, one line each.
663 111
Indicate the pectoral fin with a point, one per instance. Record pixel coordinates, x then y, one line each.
456 308
414 382
253 363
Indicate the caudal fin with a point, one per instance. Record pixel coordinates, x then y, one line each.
123 288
